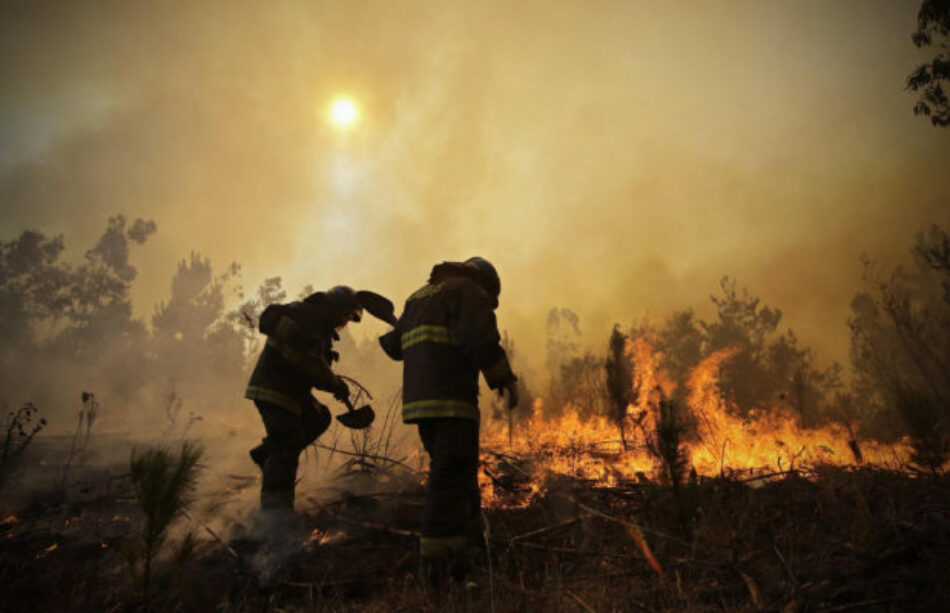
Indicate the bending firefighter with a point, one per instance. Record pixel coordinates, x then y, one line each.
296 358
446 335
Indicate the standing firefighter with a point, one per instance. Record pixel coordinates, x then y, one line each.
446 335
296 358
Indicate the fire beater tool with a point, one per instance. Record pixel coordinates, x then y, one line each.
356 419
362 417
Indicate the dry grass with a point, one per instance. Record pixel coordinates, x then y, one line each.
831 539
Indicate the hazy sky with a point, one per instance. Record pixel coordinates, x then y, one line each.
613 157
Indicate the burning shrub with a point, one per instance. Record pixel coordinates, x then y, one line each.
769 369
766 369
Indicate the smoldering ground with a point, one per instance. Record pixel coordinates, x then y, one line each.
77 469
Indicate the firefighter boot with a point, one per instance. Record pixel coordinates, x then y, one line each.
434 574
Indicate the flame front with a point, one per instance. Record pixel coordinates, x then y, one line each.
590 447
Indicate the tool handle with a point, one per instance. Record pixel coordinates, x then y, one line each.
349 405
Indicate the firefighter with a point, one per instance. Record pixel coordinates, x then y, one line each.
446 335
296 358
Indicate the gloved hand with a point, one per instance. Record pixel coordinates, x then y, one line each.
341 391
512 390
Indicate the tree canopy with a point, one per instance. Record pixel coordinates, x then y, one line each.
931 80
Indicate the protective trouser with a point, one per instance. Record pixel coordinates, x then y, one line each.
279 452
453 501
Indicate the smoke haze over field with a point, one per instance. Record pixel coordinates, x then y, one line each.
614 157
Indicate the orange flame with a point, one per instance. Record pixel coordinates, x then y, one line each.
590 447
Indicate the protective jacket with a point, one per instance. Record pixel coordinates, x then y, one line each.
446 335
296 358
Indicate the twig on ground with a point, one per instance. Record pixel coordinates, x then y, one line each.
602 576
781 473
560 524
581 552
579 601
788 568
754 592
367 524
234 554
857 605
632 529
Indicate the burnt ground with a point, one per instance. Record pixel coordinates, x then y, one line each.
829 539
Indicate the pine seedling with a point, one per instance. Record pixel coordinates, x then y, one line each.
666 442
164 482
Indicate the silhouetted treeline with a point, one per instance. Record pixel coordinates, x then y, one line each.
67 327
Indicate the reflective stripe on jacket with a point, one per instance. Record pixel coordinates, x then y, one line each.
263 394
446 335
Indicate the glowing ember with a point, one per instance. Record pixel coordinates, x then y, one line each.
324 537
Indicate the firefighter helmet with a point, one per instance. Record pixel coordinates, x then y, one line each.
340 298
488 275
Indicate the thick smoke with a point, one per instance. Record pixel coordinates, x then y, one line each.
615 158
105 381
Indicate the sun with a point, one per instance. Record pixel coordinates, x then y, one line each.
344 112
